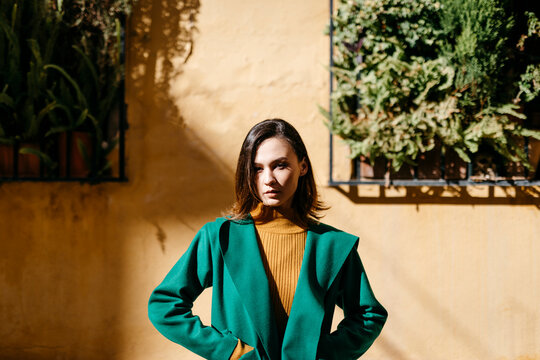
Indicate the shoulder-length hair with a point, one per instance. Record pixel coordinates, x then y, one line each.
306 204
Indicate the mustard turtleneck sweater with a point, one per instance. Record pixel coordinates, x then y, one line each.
282 244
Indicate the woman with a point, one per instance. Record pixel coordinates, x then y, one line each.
269 252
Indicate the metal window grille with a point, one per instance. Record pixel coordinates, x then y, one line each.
119 127
67 175
413 178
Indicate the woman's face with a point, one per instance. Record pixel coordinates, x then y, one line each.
277 172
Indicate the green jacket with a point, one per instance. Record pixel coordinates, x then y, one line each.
225 255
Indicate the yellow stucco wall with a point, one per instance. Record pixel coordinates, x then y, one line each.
458 272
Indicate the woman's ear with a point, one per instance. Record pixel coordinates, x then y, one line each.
303 167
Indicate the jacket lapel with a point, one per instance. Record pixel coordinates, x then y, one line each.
326 251
243 260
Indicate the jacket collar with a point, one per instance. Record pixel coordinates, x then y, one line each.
244 262
325 252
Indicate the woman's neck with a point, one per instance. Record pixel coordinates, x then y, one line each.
264 214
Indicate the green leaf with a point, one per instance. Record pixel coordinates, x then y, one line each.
84 153
34 48
80 96
35 123
462 154
89 66
531 133
111 144
58 129
43 156
7 100
81 118
324 112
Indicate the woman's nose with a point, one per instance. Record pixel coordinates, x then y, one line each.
269 177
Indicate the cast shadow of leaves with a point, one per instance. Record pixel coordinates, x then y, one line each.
454 195
161 41
172 163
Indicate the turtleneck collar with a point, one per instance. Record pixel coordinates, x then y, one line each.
269 219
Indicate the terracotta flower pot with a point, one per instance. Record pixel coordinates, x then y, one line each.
6 161
69 153
514 170
368 171
455 168
486 166
534 158
405 172
534 147
28 164
429 164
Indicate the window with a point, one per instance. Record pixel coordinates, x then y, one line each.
62 110
407 89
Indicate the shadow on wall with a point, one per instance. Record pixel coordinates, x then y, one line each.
161 40
57 272
74 277
172 166
451 195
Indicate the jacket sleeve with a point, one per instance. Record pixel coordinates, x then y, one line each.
170 305
364 316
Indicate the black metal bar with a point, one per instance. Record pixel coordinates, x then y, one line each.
433 183
122 126
41 165
50 180
16 160
68 150
442 165
526 145
121 133
331 88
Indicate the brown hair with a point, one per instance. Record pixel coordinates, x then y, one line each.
306 204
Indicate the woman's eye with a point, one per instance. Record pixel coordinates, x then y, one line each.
282 165
258 169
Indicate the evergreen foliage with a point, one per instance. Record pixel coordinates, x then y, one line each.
60 70
411 74
529 82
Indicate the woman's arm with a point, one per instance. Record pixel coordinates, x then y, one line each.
169 308
364 316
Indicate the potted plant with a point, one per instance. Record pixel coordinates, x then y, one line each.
23 79
529 85
7 140
88 89
416 77
61 75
